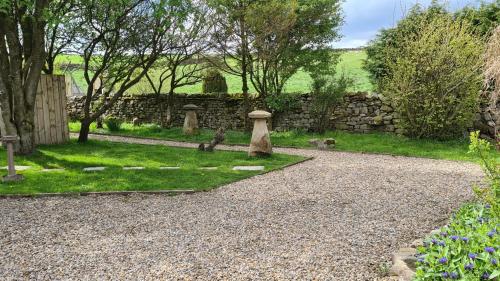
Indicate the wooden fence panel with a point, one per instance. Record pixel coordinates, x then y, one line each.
51 121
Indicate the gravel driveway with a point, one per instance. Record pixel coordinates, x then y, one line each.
336 217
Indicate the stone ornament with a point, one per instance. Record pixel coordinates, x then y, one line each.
11 176
191 121
323 144
260 145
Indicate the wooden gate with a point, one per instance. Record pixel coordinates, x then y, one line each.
51 120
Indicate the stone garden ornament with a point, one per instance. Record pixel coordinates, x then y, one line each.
191 120
12 176
260 145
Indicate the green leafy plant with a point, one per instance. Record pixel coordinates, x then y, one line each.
435 80
466 249
489 193
113 123
214 82
281 103
326 93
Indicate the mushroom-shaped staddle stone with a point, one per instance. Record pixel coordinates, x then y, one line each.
191 120
260 145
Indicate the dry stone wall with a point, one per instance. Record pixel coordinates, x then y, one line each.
358 112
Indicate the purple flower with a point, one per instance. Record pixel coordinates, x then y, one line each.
485 276
445 275
472 256
469 266
434 241
487 206
465 239
444 234
492 233
489 250
454 275
454 237
443 260
420 260
494 261
441 243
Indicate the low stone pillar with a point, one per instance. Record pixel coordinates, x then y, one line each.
260 145
191 120
9 141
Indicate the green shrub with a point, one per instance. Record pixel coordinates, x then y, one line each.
435 80
214 82
326 93
114 124
380 50
282 102
489 193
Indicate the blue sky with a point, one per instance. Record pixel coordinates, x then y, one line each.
363 18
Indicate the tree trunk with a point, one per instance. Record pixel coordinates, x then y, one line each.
26 132
170 107
84 131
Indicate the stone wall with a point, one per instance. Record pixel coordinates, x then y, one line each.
358 112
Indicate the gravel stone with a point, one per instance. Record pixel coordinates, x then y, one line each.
336 217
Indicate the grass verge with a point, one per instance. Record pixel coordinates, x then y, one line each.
73 157
381 143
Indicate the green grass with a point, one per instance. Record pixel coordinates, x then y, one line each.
73 157
350 63
368 143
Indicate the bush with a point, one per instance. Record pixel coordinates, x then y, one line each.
435 80
326 93
114 124
214 82
380 50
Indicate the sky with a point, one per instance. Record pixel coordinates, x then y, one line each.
363 18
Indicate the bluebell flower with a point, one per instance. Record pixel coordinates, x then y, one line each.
443 260
492 233
494 261
444 234
469 266
472 256
454 275
485 276
454 237
434 241
489 250
445 275
465 239
441 243
487 206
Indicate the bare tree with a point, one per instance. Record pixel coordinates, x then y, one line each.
121 42
182 61
22 33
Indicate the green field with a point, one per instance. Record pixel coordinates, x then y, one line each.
350 63
383 143
73 157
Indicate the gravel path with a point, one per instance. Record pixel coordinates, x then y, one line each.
336 217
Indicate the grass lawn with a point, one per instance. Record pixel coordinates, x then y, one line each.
351 63
369 143
73 157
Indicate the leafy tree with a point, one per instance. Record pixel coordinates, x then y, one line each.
289 36
22 56
434 79
121 41
231 40
182 60
379 50
60 32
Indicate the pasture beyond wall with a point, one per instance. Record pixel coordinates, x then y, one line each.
358 112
